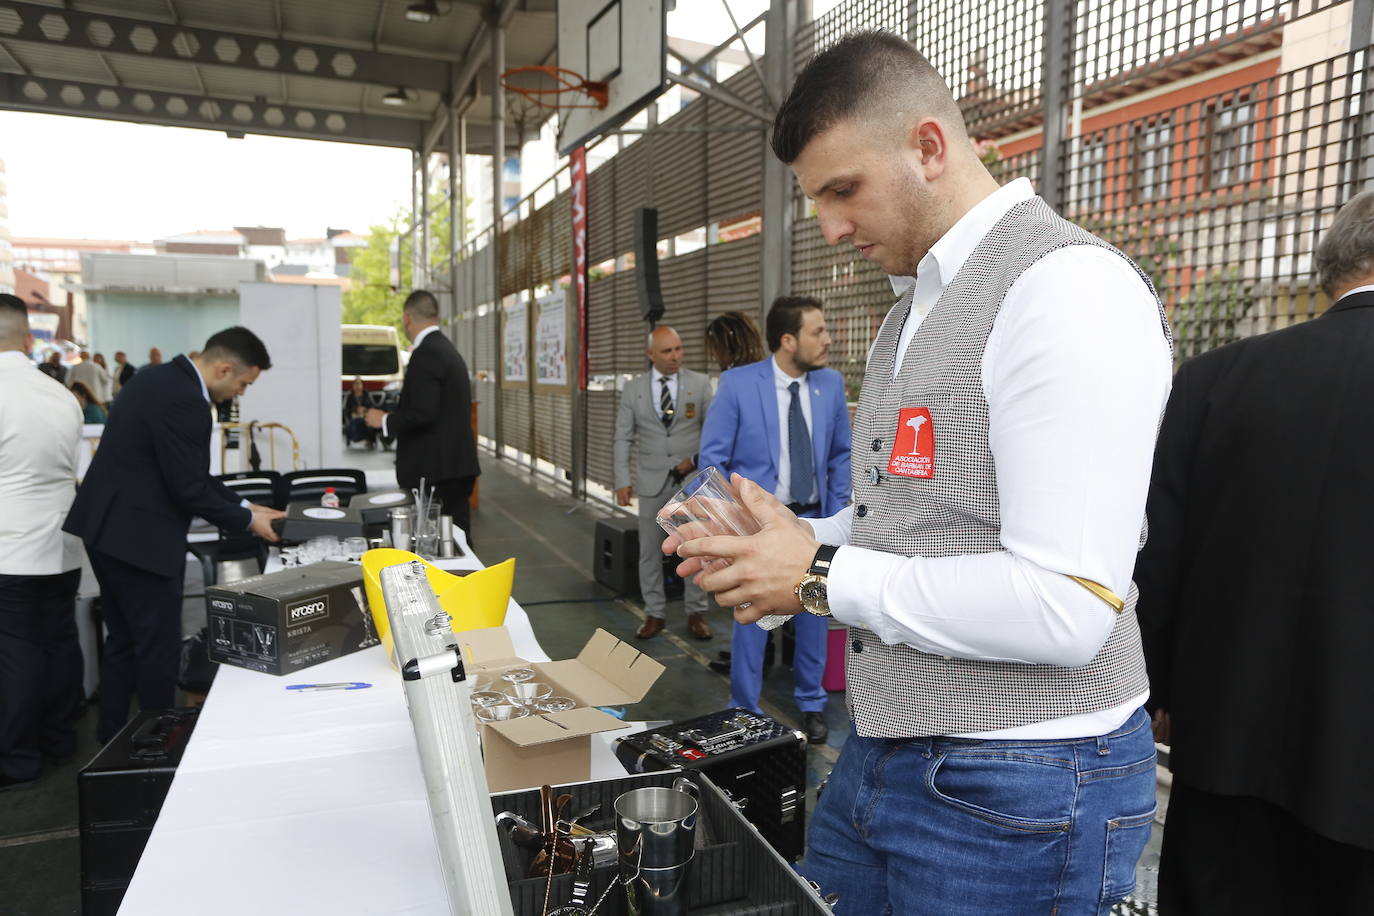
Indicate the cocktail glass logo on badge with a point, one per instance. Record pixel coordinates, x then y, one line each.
913 450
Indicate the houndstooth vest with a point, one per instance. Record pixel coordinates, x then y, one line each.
899 691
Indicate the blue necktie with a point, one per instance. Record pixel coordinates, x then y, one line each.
799 450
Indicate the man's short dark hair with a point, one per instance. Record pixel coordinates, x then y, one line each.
14 322
868 73
422 305
785 317
238 345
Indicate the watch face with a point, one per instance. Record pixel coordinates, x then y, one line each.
813 595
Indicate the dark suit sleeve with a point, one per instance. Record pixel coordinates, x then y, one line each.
421 396
1160 567
183 456
838 451
720 429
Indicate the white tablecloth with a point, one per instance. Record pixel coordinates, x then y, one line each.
306 803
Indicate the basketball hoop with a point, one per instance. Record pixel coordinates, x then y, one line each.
552 83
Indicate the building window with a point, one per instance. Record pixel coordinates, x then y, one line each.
1154 155
1232 142
1092 170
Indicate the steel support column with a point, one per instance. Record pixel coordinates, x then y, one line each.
423 280
1058 62
414 232
455 207
1359 144
497 64
783 21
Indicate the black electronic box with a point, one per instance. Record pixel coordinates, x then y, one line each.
120 793
757 760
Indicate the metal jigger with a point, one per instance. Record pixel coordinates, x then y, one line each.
447 548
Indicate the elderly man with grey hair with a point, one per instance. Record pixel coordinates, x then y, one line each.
659 421
1255 593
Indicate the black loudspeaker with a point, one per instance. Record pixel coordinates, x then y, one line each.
615 557
646 264
120 793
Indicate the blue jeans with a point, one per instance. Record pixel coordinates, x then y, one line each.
949 826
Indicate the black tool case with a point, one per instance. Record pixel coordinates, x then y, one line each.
734 871
757 760
120 793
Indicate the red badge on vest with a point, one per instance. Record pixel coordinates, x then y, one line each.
913 452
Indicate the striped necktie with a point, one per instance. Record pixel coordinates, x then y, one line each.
665 403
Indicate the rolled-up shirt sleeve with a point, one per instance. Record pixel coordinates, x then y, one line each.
1075 373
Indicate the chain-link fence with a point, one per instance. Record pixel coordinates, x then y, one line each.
1210 140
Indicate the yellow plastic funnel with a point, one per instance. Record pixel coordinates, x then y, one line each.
475 601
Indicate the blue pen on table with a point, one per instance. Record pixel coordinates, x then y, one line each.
342 685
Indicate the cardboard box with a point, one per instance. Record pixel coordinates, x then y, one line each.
286 621
556 747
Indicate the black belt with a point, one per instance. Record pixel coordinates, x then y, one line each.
808 509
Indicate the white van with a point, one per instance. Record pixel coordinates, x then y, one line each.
373 352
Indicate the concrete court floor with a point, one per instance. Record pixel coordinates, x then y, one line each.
551 536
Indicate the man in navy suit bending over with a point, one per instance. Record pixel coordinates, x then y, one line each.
149 477
783 424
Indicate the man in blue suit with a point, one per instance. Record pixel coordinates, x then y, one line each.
783 424
149 477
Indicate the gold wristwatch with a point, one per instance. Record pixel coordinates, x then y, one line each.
811 590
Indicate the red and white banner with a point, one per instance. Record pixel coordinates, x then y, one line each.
577 166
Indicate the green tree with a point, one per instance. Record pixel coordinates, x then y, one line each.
373 299
377 294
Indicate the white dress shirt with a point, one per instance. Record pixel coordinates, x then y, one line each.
782 381
1076 373
40 432
415 345
657 388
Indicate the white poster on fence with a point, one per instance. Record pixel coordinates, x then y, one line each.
516 348
551 341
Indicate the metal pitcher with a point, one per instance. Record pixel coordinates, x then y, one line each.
655 829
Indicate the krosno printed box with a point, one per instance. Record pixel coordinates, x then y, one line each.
286 621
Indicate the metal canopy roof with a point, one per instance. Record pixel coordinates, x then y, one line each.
317 69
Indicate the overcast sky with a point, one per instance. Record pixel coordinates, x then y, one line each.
87 178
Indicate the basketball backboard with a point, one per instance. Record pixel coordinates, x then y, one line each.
619 42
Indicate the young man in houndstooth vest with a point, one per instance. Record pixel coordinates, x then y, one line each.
1000 760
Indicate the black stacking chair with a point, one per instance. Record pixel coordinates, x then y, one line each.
259 487
309 486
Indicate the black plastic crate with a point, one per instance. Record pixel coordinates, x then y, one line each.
734 873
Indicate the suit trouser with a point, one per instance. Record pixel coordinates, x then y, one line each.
455 498
40 670
808 663
651 539
143 652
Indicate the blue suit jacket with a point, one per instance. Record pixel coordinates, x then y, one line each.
741 433
151 474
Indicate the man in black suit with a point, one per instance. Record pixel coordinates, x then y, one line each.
148 478
1256 588
432 422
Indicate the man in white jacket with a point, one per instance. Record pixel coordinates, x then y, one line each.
40 566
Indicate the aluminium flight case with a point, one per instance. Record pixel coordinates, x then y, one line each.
757 760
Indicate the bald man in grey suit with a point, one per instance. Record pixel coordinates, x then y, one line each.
660 419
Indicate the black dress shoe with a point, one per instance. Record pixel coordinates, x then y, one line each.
813 723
